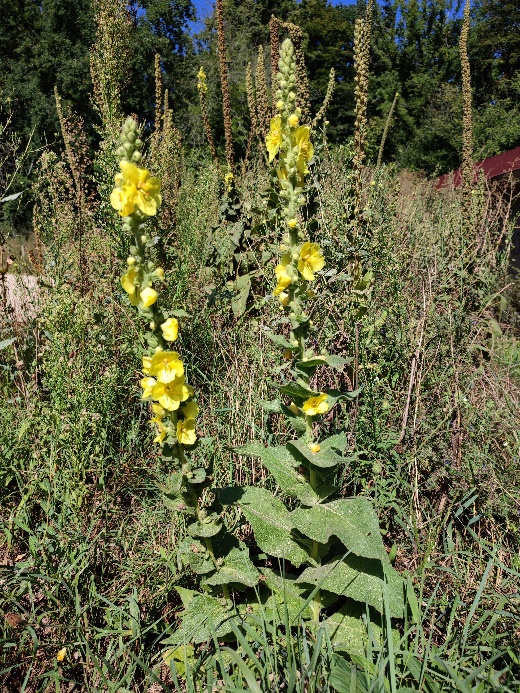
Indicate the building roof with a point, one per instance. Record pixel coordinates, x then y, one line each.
492 167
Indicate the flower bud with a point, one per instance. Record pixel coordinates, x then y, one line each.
287 354
159 273
292 223
280 105
293 120
130 137
130 260
138 143
136 157
152 325
128 148
144 239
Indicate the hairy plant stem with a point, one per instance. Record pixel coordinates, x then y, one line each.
195 497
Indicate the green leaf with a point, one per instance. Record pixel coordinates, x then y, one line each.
239 302
352 520
179 313
347 630
361 579
270 521
205 529
324 458
286 594
296 391
279 340
281 463
296 421
334 396
331 360
237 567
345 678
202 616
194 554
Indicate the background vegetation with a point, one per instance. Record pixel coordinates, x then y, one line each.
87 545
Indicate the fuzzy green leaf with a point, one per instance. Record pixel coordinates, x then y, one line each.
270 521
352 520
362 579
194 554
237 567
332 360
202 616
286 593
205 529
347 630
279 340
297 391
296 421
281 463
324 458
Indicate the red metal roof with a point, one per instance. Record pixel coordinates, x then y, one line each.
492 167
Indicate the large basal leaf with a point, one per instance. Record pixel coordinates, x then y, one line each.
270 521
286 594
347 630
362 579
237 568
203 615
281 463
352 520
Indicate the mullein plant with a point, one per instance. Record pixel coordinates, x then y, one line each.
332 564
217 559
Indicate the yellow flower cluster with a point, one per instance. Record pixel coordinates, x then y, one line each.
135 189
165 385
137 195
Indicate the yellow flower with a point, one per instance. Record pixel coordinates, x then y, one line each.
147 363
148 296
305 148
284 278
135 188
201 85
147 384
292 223
161 430
273 140
229 179
190 410
159 411
316 405
165 366
283 297
186 432
293 120
61 654
128 280
314 447
159 273
170 395
311 260
170 329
